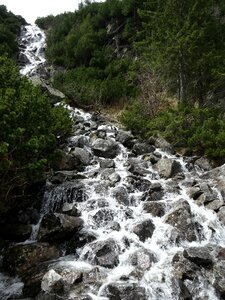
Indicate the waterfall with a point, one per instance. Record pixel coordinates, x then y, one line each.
152 220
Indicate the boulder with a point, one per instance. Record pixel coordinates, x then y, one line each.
103 216
184 268
215 205
155 193
203 163
181 219
82 155
107 163
78 141
138 183
161 143
121 195
143 148
21 257
221 215
157 209
105 148
124 291
125 138
70 209
56 227
103 253
93 277
168 167
67 163
142 259
144 229
201 256
218 278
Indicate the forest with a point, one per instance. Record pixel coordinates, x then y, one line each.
161 60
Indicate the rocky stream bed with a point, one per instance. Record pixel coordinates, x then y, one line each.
120 219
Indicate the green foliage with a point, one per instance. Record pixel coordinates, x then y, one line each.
201 129
185 44
9 29
94 45
30 129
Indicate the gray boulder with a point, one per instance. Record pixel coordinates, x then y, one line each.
82 155
143 148
161 143
168 168
107 163
103 253
125 138
144 229
121 195
201 256
105 148
203 163
56 227
18 259
124 291
181 219
142 259
157 209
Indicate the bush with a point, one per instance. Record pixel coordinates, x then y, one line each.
31 129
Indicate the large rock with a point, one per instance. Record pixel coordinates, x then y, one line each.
121 195
218 278
54 94
82 155
21 257
161 143
184 268
56 227
107 163
138 183
144 229
168 167
125 138
105 148
142 259
155 193
203 163
103 253
124 291
201 256
143 148
157 209
181 219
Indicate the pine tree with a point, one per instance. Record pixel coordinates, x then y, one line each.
185 42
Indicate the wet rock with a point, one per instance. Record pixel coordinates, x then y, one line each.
107 163
15 232
82 155
144 229
124 291
221 215
157 209
56 227
153 157
114 178
93 277
125 138
201 256
142 259
184 268
143 148
155 193
216 173
103 253
181 219
168 168
101 134
115 226
121 195
21 257
49 280
105 148
215 205
218 279
203 163
78 141
184 291
67 163
70 209
105 173
161 143
103 216
138 183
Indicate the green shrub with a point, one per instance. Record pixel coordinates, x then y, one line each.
31 130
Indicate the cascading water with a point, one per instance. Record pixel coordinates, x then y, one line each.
148 234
